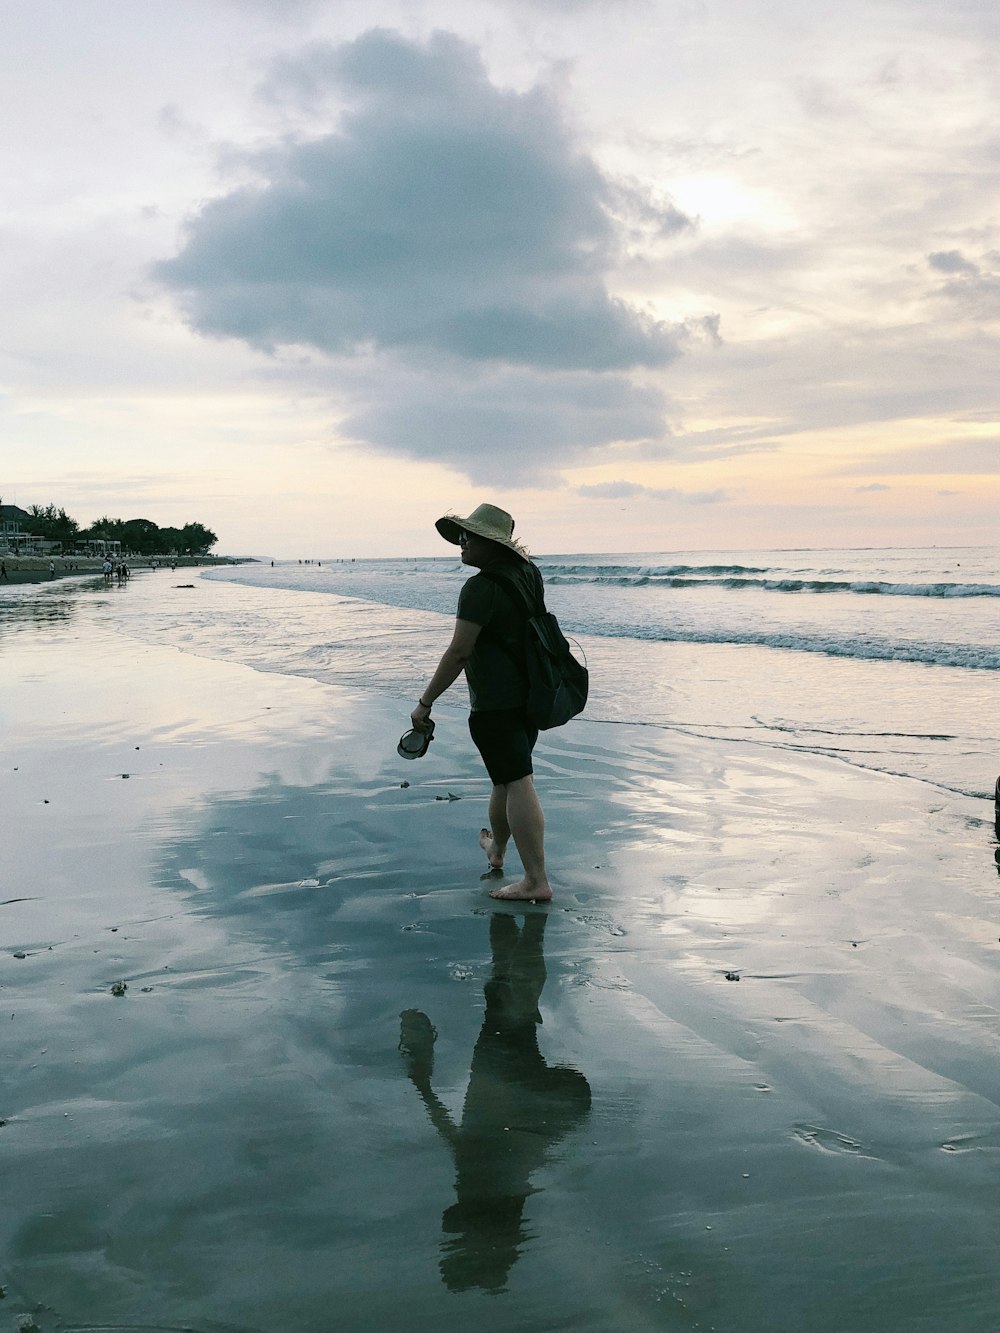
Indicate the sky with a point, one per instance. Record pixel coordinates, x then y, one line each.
704 275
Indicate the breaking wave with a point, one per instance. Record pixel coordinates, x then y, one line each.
969 657
740 579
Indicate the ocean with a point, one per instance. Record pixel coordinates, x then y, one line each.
883 658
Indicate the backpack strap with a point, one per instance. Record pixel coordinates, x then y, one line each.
515 593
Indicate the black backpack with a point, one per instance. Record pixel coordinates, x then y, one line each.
557 682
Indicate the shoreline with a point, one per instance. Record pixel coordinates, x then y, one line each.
237 1135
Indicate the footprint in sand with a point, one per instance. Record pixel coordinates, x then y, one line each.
829 1140
601 922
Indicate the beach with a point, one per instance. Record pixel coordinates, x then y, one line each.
741 1073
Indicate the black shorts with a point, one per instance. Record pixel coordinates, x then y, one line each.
505 738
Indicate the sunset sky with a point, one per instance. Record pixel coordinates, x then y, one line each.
653 276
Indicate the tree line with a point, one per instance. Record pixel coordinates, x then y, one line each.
140 535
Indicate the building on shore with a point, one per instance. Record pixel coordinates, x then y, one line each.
102 546
15 539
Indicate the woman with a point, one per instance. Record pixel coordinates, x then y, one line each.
488 645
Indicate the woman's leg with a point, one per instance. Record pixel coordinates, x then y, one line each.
526 821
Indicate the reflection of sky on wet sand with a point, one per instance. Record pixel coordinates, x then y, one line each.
238 1142
329 946
239 1111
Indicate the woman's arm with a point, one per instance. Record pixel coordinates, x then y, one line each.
451 666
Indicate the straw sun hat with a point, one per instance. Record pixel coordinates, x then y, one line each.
496 525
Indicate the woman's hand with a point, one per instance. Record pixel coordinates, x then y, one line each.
420 717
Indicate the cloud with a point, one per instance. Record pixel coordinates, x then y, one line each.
450 223
951 261
974 288
510 425
957 458
631 490
572 7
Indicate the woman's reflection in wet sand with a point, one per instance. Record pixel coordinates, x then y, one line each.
516 1108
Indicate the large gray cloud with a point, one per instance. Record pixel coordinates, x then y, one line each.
519 427
443 220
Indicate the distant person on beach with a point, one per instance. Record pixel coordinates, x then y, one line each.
488 645
3 570
52 569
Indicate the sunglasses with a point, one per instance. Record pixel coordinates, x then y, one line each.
463 539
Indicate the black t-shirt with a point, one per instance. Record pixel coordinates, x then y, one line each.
494 672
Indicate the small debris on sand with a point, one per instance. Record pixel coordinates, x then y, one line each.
732 976
119 988
450 797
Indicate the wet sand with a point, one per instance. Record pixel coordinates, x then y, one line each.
741 1073
35 569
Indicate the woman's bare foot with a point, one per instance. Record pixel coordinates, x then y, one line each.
523 892
494 854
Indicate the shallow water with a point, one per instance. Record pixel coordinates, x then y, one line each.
928 720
